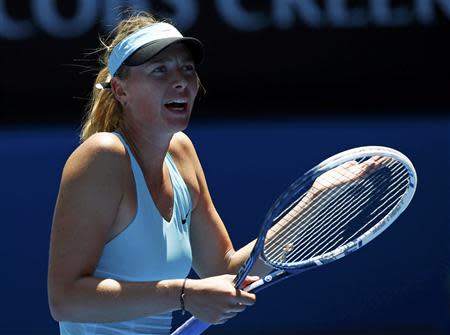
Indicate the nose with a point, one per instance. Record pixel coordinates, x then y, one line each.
180 81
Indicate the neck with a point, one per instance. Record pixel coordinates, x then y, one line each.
149 148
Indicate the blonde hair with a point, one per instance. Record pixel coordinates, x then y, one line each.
104 112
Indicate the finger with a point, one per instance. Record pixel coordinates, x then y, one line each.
244 298
248 280
236 308
223 318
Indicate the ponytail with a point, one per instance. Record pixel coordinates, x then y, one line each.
104 112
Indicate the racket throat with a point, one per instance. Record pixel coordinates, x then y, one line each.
266 281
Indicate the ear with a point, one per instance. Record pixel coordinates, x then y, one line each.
117 87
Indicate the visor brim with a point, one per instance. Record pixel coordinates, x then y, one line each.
151 49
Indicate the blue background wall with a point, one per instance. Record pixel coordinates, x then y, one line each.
396 285
381 64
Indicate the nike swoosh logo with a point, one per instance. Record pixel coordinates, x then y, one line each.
184 220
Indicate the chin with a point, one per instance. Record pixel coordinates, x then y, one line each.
179 124
175 117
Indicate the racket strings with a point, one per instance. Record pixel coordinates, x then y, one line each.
334 240
297 206
382 209
311 234
292 218
313 210
328 228
328 240
297 188
346 223
328 219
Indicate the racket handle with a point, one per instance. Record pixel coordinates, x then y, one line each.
192 326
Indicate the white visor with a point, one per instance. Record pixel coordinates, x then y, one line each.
140 46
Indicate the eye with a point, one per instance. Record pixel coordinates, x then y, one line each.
189 67
160 69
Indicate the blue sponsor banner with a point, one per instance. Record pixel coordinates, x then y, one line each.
302 57
71 19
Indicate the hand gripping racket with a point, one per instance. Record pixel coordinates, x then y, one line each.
331 211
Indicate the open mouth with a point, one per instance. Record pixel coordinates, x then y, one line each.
177 106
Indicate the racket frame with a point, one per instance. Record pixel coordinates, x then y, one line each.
284 271
377 229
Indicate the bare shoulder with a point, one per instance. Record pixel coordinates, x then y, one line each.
100 152
183 151
181 144
93 177
101 144
92 185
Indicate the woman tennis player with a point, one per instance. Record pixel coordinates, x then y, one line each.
133 213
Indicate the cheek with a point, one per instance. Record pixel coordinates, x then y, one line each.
194 85
144 106
146 96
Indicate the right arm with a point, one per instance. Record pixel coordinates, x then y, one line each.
90 195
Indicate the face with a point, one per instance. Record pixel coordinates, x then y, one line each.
160 93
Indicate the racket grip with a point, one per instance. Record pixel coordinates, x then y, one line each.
192 326
254 286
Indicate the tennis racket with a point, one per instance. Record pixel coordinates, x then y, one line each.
331 211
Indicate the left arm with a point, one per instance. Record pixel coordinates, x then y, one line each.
212 250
